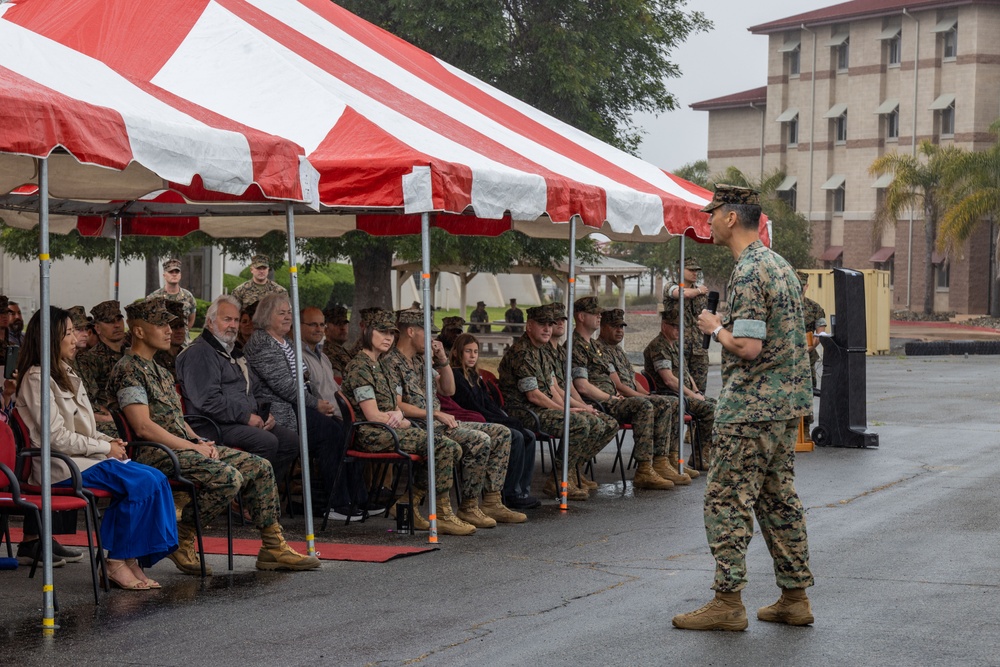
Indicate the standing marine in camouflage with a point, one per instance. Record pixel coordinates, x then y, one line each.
152 408
337 324
765 391
485 447
815 319
695 301
660 359
592 378
172 291
664 407
374 398
259 284
95 364
480 319
532 395
167 359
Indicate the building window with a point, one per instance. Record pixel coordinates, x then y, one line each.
789 196
949 44
894 47
890 266
892 125
839 195
844 55
793 62
948 121
942 276
840 129
793 131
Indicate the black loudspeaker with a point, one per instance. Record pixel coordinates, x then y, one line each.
843 419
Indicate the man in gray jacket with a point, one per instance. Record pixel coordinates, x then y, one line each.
217 383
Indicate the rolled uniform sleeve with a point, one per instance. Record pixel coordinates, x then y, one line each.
132 396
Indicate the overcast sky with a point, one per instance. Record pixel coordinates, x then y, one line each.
726 60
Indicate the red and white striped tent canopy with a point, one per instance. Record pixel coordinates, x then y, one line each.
391 129
110 137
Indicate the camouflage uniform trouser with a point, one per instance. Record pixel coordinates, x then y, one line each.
220 480
703 413
696 363
485 453
588 433
650 424
413 440
752 470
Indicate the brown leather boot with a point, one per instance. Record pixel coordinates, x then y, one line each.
573 492
275 554
724 612
647 478
469 512
663 468
186 556
792 608
493 507
447 522
582 480
689 470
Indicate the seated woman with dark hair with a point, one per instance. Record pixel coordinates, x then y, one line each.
246 326
471 393
139 527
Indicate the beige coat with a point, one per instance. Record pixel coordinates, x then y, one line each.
72 425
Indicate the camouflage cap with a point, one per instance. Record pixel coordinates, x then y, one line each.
336 315
480 303
732 194
558 311
671 311
176 310
366 314
79 317
541 314
803 276
106 311
382 320
260 262
587 304
614 317
690 263
152 312
453 322
412 317
171 264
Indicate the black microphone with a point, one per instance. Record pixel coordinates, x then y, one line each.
713 305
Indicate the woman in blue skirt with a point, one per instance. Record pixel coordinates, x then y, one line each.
140 527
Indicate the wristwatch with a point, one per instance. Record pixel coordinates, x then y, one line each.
715 333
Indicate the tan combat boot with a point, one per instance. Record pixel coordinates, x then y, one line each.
583 481
647 478
792 608
447 522
724 612
689 470
469 512
275 554
573 492
663 468
493 507
418 521
186 557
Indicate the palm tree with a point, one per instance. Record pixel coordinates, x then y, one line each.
974 196
918 180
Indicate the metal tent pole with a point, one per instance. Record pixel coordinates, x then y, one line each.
48 590
300 384
118 255
680 371
425 285
570 298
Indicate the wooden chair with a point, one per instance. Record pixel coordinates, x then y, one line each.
380 461
13 501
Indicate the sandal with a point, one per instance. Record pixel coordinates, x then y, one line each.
133 565
135 584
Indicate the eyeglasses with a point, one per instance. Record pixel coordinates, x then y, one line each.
174 271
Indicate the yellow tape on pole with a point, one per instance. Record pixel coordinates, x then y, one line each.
44 257
293 269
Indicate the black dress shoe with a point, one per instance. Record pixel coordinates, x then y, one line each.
523 502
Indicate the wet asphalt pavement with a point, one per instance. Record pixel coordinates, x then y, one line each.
904 547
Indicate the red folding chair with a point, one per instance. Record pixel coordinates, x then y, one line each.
13 501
